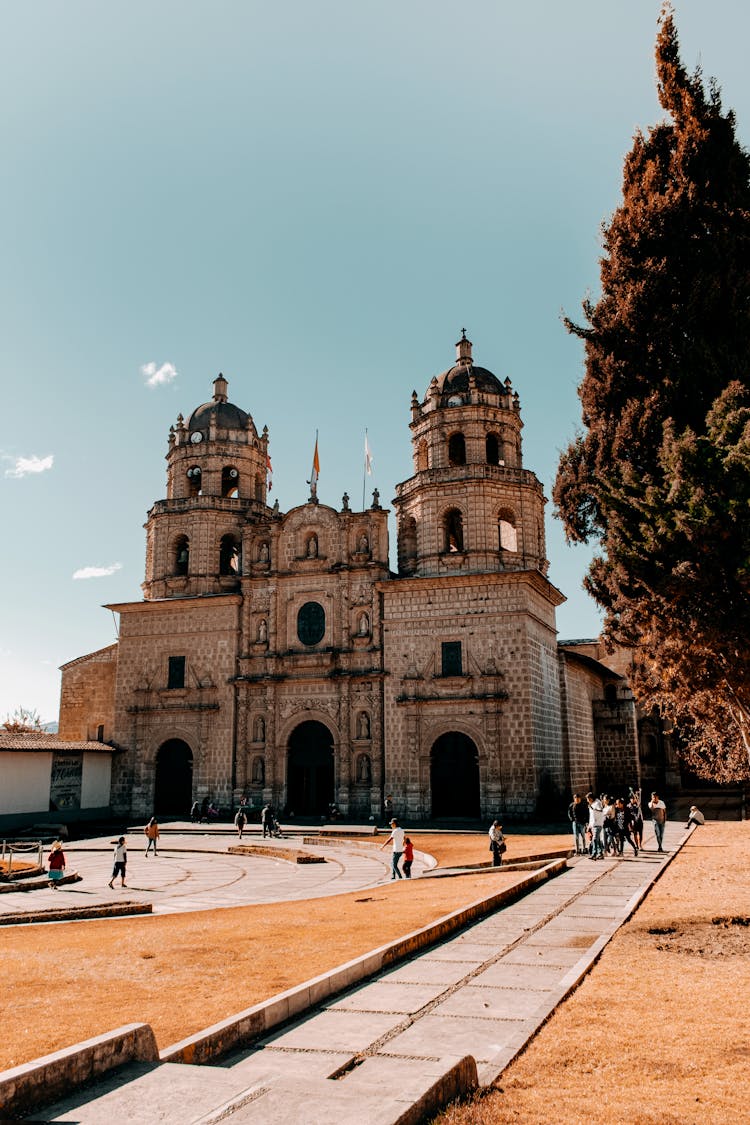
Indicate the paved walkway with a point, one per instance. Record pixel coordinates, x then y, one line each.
367 1057
194 871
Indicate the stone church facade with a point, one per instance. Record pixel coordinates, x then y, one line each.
276 656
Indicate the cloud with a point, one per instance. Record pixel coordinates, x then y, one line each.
26 465
158 376
97 571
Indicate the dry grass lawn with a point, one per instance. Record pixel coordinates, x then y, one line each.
183 972
659 1031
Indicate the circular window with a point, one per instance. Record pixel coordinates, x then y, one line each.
311 623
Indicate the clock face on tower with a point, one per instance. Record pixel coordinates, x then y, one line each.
196 437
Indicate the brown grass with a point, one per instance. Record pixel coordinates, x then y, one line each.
183 972
659 1031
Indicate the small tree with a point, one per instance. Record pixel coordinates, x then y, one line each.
660 477
23 721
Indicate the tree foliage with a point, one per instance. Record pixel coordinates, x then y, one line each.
24 720
660 475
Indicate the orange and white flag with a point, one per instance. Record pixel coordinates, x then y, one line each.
315 466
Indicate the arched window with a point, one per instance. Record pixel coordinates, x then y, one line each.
506 530
195 479
456 449
492 446
229 555
259 487
422 457
182 555
230 482
453 531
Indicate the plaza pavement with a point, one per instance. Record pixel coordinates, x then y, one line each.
193 871
393 1049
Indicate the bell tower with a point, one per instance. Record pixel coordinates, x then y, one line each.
216 482
470 507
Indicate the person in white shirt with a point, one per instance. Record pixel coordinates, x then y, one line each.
396 838
121 859
596 825
658 819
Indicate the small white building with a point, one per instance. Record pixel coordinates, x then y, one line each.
43 778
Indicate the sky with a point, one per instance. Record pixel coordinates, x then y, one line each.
313 199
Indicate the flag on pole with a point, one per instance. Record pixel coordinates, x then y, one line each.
315 468
368 457
269 473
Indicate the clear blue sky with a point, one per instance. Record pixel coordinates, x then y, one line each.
312 198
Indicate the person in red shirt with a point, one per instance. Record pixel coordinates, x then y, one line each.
56 864
408 857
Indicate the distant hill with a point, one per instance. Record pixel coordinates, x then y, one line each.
50 728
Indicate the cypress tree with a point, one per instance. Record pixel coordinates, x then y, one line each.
660 475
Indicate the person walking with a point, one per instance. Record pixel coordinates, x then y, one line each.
396 839
658 819
240 820
408 857
152 835
636 814
623 825
578 815
596 826
267 819
121 860
497 843
56 865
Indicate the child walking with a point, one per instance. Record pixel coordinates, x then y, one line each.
408 857
121 859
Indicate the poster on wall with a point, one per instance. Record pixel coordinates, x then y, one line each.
65 782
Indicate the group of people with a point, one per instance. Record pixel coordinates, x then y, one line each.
57 862
603 825
206 810
401 846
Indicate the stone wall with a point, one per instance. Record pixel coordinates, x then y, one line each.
87 696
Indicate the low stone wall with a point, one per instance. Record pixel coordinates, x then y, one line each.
28 1087
34 883
76 913
291 855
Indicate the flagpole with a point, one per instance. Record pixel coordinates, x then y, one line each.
364 472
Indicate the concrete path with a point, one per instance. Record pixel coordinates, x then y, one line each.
194 871
391 1049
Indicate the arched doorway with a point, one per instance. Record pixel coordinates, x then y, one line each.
454 776
173 781
310 770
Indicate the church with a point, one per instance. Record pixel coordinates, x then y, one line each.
276 656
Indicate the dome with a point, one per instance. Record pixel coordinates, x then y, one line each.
224 414
456 380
